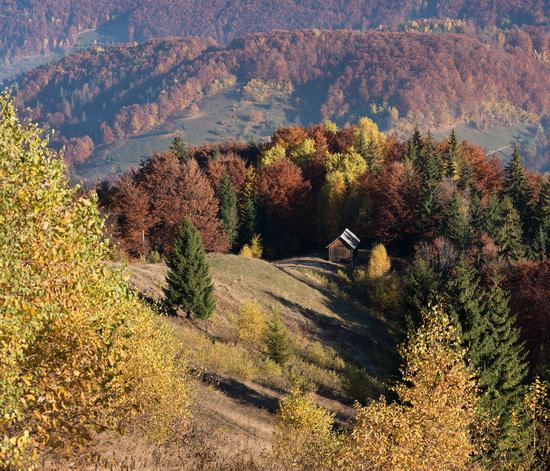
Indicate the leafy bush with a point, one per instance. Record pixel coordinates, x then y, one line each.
304 438
254 249
385 293
153 257
252 324
78 350
359 385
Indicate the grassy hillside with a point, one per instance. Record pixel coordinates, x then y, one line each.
239 389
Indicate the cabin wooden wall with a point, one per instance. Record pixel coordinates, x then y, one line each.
338 252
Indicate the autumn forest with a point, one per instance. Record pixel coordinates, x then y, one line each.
275 235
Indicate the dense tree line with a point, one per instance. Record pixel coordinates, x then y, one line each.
101 96
34 26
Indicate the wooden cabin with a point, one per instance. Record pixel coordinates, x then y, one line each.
343 248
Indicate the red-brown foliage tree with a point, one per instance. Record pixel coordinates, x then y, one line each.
230 164
529 286
283 198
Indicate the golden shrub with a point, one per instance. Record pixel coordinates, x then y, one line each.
246 251
304 438
252 324
379 262
73 337
256 246
254 249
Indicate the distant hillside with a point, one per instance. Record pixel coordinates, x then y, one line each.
99 98
35 26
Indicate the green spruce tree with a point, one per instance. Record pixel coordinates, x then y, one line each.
248 216
492 216
517 188
189 285
421 287
277 341
429 167
508 235
541 243
227 211
505 370
414 146
179 149
456 222
465 299
452 158
465 177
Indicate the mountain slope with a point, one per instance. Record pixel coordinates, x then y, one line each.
101 97
33 26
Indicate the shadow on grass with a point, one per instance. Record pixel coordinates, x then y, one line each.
358 336
242 393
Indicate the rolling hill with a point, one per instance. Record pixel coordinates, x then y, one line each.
237 394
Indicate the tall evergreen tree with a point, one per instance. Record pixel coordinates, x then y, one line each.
248 217
227 211
456 223
452 158
508 235
516 187
465 177
189 283
541 242
505 368
414 146
179 149
465 300
493 350
430 171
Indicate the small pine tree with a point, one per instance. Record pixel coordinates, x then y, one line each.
277 341
509 236
179 149
428 197
379 262
189 283
227 210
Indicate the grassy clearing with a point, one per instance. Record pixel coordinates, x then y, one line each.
328 331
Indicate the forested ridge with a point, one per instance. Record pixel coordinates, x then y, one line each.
33 26
102 96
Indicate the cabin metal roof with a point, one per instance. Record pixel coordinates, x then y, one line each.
349 238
